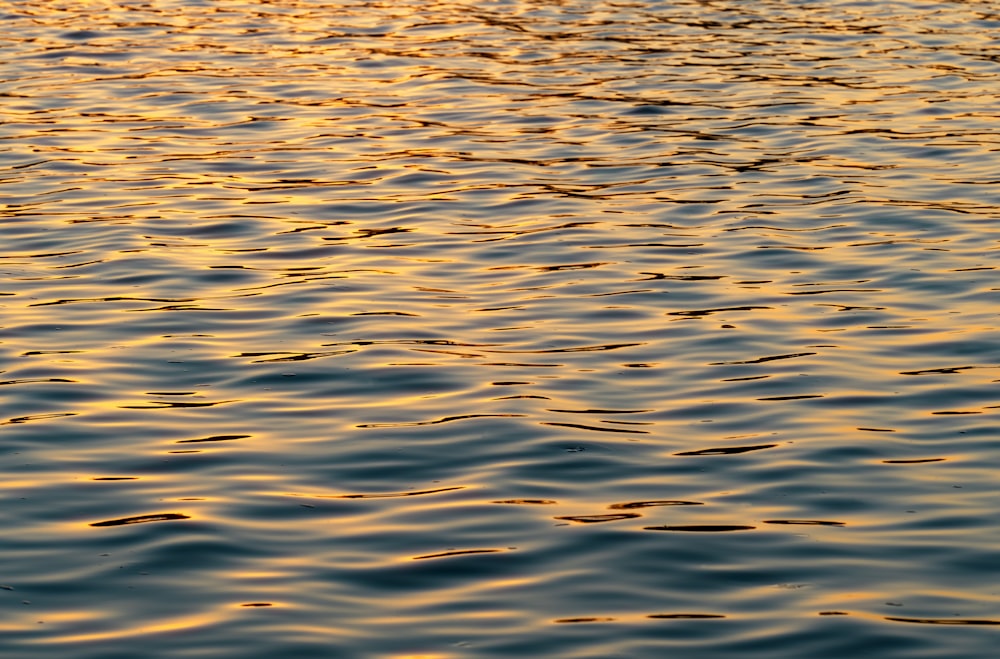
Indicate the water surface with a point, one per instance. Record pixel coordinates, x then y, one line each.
499 328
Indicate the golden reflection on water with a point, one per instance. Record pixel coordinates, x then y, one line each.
185 624
339 328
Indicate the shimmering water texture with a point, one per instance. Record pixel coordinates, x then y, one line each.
499 328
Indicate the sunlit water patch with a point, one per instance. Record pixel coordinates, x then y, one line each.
499 328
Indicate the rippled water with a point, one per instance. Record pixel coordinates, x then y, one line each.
499 328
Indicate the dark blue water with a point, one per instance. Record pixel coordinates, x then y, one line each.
499 328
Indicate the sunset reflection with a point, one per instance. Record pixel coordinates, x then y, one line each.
346 329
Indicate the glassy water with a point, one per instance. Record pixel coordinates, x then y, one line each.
499 328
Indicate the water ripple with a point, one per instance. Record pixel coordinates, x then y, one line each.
567 329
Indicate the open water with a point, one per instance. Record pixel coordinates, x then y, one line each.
499 328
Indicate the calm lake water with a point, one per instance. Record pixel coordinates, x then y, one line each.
499 328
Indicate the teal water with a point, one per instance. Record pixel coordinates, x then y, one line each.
499 328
